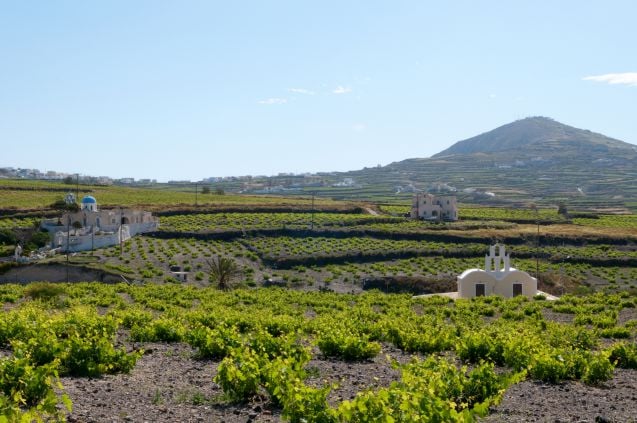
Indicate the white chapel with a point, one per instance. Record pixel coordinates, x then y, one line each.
497 278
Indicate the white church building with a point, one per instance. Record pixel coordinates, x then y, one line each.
91 228
497 278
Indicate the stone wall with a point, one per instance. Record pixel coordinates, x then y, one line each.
56 273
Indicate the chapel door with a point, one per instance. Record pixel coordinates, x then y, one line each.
517 289
480 291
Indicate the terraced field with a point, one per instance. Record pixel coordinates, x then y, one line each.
322 349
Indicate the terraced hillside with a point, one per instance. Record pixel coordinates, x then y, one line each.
535 159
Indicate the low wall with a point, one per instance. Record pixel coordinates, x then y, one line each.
56 273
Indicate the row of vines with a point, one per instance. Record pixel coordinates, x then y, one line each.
465 353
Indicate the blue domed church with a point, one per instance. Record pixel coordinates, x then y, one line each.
91 228
89 203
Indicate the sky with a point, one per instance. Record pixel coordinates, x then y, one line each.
184 90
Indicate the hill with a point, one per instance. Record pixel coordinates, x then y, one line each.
538 134
534 159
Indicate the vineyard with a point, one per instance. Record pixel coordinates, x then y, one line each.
329 346
339 250
220 222
33 194
442 360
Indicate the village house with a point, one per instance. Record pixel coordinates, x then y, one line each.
434 207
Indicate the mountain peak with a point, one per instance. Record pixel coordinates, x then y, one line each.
531 132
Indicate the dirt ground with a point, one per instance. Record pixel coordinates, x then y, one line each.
169 384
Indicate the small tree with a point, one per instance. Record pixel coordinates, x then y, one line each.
219 191
77 226
222 271
68 180
562 210
7 237
205 190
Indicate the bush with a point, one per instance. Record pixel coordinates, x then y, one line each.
93 355
474 347
160 330
7 237
43 291
27 392
23 382
213 343
347 347
549 367
624 355
239 375
38 239
599 369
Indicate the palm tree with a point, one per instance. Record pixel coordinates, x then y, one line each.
222 270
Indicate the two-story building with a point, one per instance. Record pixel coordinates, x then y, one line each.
434 207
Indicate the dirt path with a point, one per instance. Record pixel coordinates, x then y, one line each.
371 211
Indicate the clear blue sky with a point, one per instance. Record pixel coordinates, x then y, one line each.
191 89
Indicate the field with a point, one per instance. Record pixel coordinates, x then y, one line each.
277 354
33 194
325 343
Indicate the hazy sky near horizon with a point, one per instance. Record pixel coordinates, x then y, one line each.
192 89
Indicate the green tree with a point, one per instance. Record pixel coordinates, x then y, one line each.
205 190
220 191
32 238
7 237
562 210
222 271
62 205
77 226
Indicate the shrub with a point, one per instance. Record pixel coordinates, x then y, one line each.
213 343
599 369
160 330
28 392
348 347
7 237
43 291
93 355
624 355
239 375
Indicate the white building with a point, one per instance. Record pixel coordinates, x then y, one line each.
497 278
434 207
91 228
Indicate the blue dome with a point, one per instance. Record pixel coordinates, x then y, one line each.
88 199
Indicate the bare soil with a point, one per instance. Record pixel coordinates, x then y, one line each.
169 384
531 401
